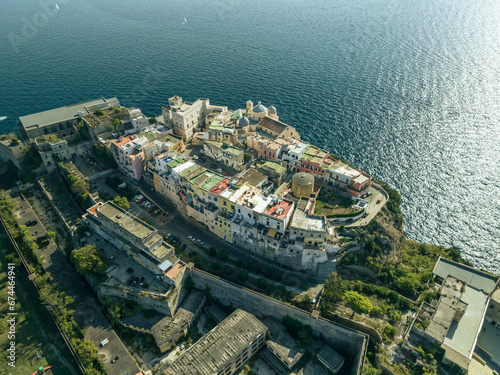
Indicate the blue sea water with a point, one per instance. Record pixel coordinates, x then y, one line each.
407 91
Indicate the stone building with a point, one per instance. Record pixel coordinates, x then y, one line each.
224 349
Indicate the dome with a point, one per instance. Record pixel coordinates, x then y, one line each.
303 179
259 108
272 110
302 184
243 122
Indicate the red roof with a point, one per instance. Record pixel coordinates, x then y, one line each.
285 205
174 271
220 187
93 209
122 142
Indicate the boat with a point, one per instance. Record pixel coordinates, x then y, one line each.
2 118
185 21
57 6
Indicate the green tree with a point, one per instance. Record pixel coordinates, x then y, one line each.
360 304
222 254
99 112
80 188
14 141
152 120
122 202
88 259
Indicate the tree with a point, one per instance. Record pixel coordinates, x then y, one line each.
334 288
88 259
80 188
152 120
222 254
99 112
360 304
122 202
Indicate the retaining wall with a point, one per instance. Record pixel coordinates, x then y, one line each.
348 342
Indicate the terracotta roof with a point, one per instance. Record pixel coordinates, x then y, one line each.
174 271
93 209
273 125
122 142
220 187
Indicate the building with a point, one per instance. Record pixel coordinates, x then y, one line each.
187 118
129 155
138 239
52 150
224 349
454 321
281 344
272 128
227 155
329 357
169 330
60 121
11 150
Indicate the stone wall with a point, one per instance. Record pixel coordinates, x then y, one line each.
163 304
348 342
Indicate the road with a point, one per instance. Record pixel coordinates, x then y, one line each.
184 228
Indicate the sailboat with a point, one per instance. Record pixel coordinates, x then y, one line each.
185 21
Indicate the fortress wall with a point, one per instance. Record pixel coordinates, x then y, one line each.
348 342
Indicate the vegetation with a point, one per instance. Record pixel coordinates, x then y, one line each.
103 157
52 295
302 333
14 141
360 304
122 202
79 188
88 259
30 163
99 112
152 120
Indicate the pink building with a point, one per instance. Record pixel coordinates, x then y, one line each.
129 155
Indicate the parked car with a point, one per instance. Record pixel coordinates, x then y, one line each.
130 280
226 174
219 170
379 200
141 282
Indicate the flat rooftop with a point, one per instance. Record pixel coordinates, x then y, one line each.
211 353
129 222
475 278
301 220
66 113
252 177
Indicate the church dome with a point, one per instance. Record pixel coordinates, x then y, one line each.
272 110
259 108
243 122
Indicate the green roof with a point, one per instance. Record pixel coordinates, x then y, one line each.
190 170
207 180
276 166
216 127
169 138
174 163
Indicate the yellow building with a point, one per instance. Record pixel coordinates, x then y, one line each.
223 226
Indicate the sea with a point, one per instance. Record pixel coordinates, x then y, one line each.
408 91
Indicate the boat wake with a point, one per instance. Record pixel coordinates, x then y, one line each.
2 118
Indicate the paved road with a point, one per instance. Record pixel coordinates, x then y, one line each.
183 228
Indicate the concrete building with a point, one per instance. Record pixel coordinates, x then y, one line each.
169 330
129 155
186 118
137 121
138 239
329 357
224 349
60 121
227 155
346 178
52 149
454 322
281 344
12 151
